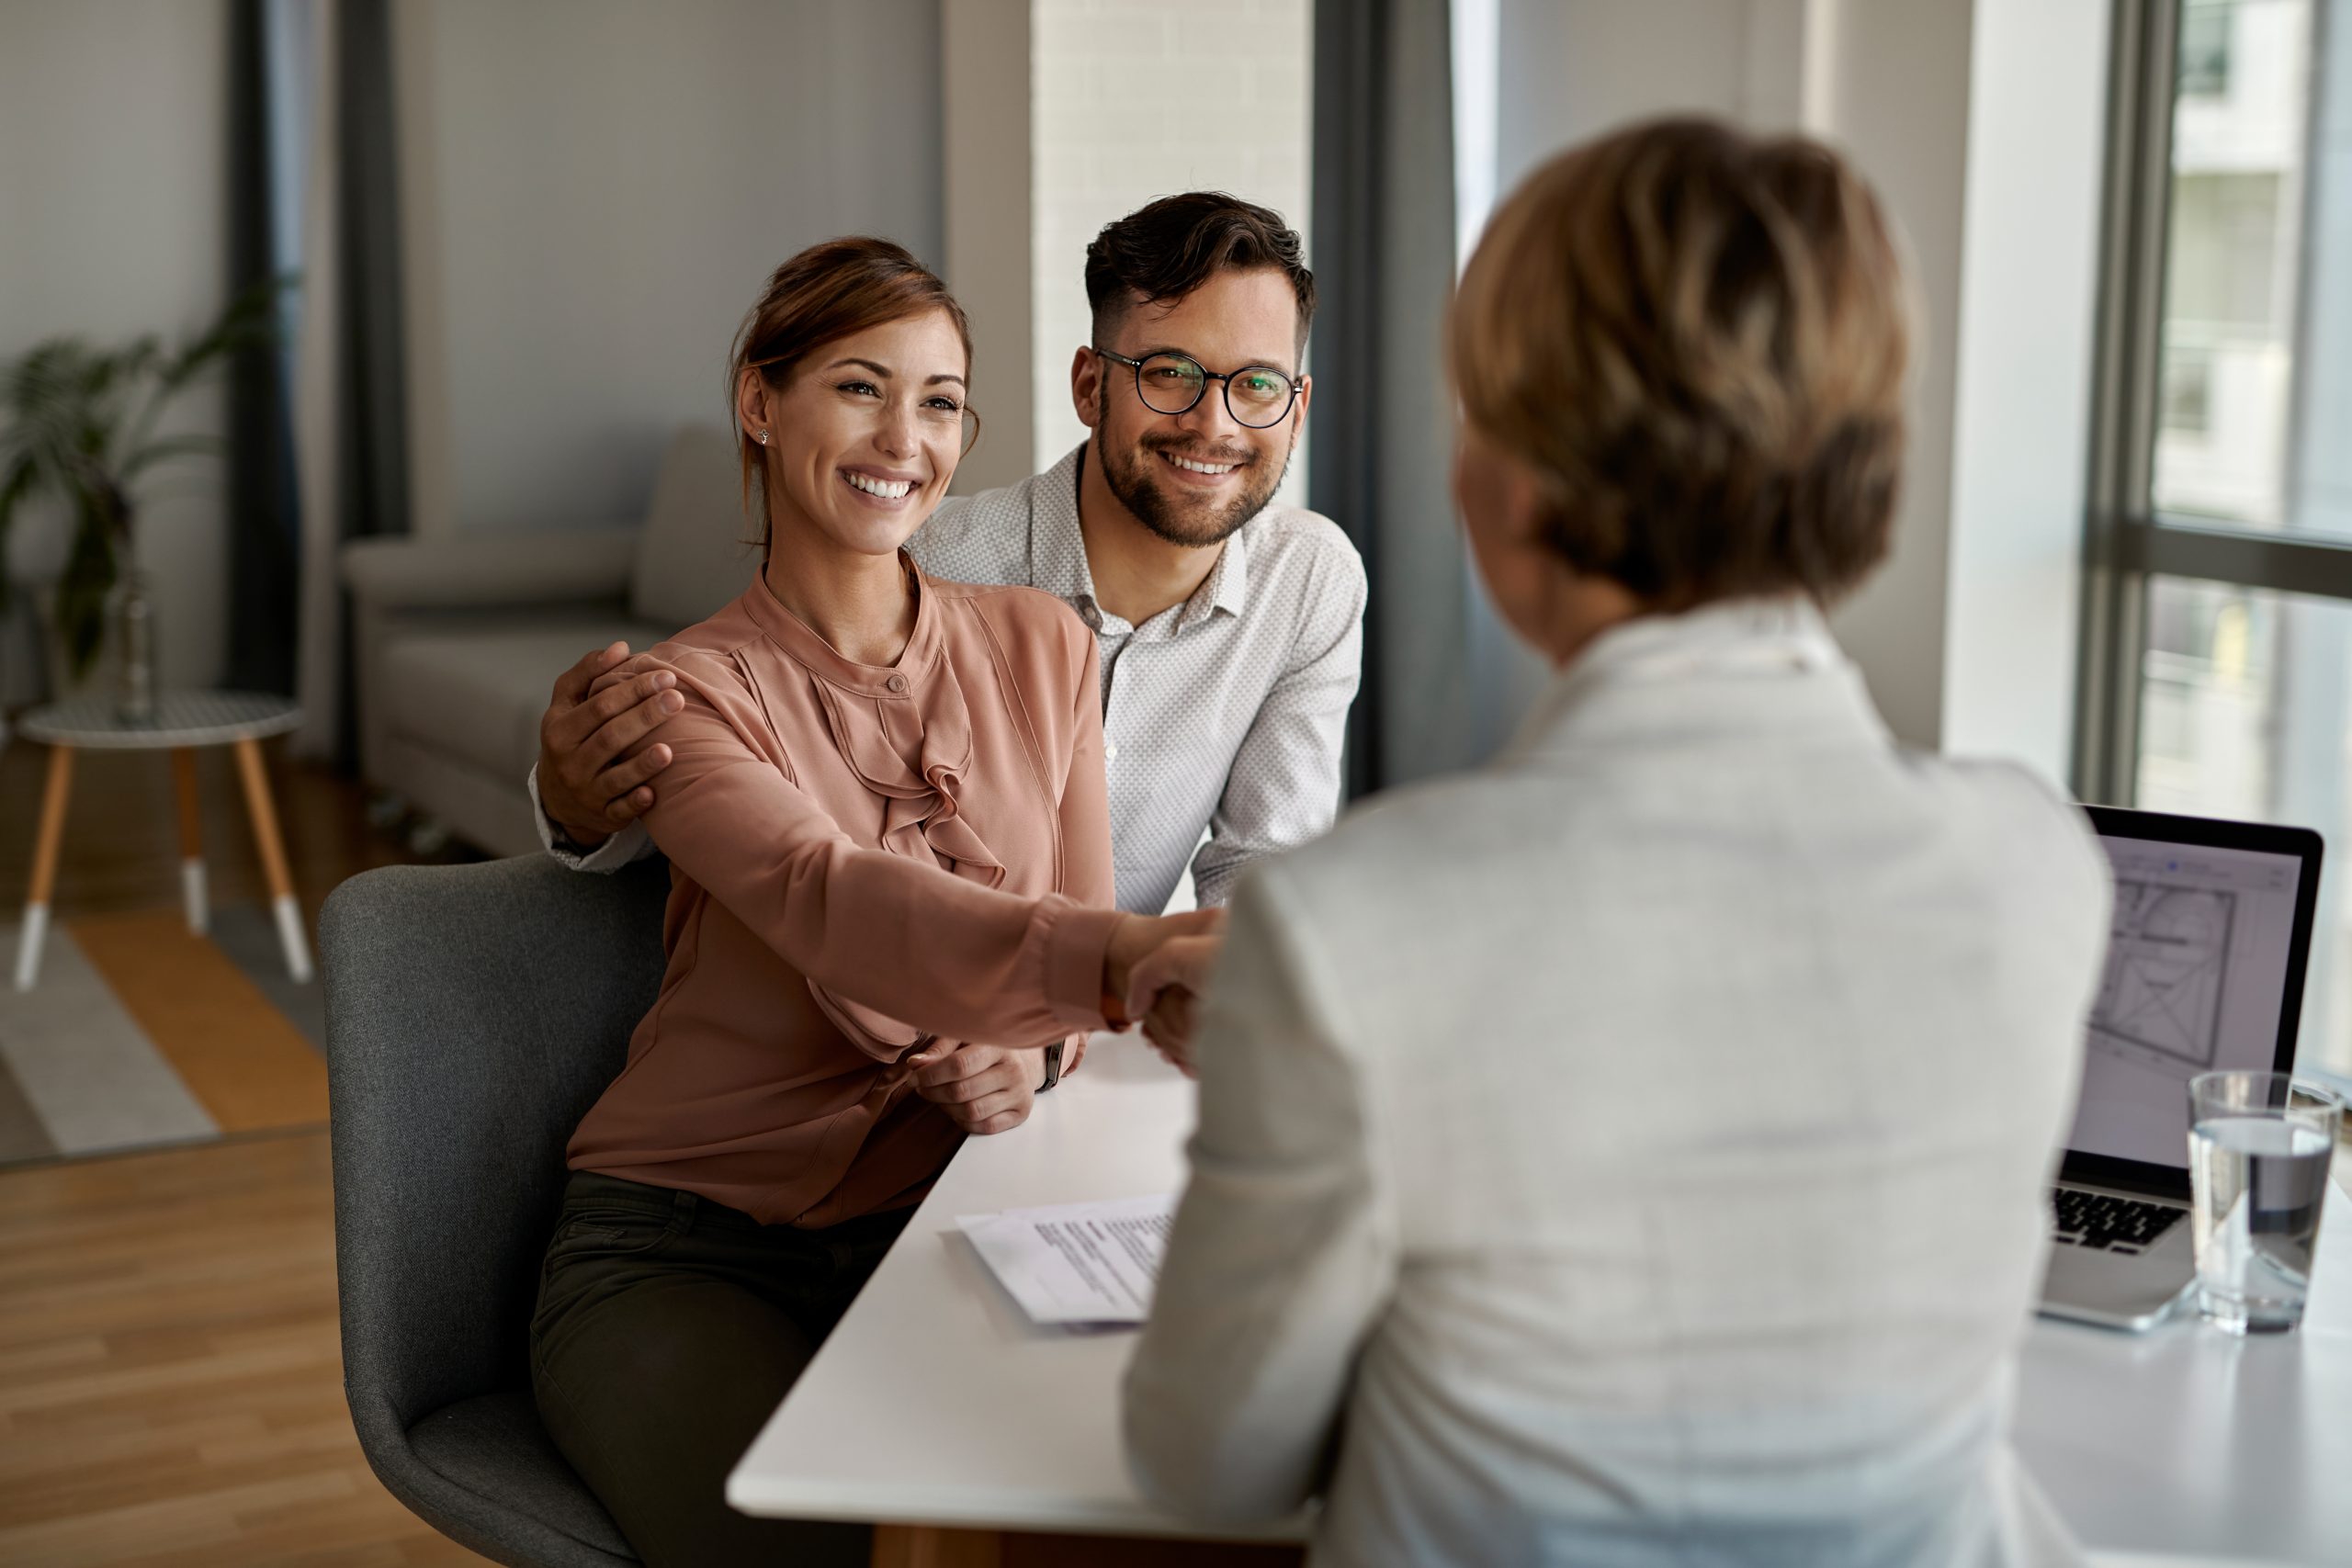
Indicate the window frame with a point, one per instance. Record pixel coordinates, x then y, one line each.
2127 541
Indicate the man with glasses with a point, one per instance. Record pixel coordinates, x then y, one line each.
1231 631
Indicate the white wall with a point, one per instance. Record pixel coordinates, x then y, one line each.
2021 446
1896 101
1133 99
593 192
1570 71
985 62
113 174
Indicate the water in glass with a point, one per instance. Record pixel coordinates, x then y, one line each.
2259 1183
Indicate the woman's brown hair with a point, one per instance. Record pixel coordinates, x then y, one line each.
826 293
1697 340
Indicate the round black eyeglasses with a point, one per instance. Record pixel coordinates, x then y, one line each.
1256 395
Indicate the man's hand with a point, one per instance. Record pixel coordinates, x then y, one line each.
593 763
983 1088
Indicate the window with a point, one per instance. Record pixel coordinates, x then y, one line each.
2205 48
2188 399
2219 654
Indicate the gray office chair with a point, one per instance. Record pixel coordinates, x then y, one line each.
474 1013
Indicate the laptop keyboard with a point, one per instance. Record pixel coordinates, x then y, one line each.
2108 1224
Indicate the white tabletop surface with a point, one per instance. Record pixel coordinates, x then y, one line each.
937 1402
2188 1440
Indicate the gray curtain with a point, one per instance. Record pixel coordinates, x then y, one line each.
1437 691
268 92
371 434
319 439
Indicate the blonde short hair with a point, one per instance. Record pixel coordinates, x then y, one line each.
1697 340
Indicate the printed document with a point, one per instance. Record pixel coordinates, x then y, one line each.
1072 1263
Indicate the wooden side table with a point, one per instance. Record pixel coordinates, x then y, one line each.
183 721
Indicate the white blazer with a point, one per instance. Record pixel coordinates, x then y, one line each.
1635 1152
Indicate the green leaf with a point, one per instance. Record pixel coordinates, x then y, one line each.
22 475
80 420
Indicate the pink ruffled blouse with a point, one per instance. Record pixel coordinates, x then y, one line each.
863 861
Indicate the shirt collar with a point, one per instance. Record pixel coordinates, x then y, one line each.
1228 585
1619 682
1785 634
1058 554
915 666
1057 544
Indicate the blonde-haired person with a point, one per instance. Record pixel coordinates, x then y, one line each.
1634 1152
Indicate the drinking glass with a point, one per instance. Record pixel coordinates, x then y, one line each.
2258 1151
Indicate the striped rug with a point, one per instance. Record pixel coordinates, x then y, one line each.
140 1033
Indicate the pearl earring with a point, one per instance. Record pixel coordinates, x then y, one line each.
763 437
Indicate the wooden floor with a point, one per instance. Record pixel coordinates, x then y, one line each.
170 1376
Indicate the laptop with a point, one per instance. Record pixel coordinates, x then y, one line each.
2211 935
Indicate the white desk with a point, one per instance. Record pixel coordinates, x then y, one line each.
936 1402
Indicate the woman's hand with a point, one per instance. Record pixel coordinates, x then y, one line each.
983 1088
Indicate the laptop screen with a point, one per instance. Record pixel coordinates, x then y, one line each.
2197 973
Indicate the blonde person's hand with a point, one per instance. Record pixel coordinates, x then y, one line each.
1180 962
1169 1027
983 1088
1166 988
1166 970
1134 941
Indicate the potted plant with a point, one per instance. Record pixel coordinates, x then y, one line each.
79 422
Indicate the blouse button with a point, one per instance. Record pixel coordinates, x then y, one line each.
898 682
1110 752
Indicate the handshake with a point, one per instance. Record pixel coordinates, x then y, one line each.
1153 967
1153 973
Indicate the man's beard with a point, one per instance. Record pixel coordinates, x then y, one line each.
1128 472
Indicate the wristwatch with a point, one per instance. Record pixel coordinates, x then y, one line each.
1053 1066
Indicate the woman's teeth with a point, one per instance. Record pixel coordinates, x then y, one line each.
888 490
1190 466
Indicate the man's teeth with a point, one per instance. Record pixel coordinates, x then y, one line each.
1191 467
888 490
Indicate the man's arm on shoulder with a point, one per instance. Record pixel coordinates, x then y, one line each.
597 759
1283 788
626 847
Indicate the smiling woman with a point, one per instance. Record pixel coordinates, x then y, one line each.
824 298
885 818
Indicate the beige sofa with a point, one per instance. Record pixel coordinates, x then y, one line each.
459 640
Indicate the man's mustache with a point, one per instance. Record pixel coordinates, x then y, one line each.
1178 449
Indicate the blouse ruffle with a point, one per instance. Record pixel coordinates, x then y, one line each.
906 732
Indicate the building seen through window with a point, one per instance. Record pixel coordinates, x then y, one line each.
2242 690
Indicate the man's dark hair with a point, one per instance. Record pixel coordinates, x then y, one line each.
1165 251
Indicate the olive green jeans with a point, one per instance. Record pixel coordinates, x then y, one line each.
669 1328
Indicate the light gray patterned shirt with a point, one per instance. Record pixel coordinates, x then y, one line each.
1224 713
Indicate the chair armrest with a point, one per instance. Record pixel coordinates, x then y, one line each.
541 566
